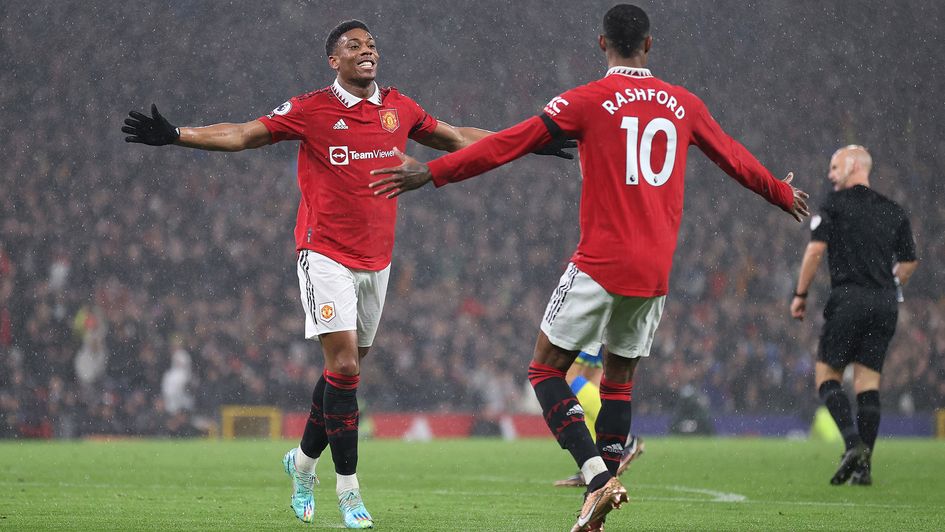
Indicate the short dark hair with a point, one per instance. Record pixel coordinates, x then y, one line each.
626 27
340 30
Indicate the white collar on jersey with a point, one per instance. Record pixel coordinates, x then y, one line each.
630 71
350 100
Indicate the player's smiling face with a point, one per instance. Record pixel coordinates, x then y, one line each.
355 57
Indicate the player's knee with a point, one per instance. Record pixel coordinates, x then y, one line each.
345 366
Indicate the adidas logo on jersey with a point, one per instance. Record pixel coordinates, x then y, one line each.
575 410
614 448
340 124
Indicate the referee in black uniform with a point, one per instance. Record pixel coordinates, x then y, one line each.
871 254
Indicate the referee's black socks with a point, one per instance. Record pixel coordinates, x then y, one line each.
832 394
867 416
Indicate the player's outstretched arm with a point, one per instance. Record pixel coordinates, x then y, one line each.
446 137
410 175
155 130
451 138
491 152
729 155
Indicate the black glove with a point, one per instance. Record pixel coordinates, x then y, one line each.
153 130
557 147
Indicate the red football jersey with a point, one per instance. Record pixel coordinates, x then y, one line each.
633 133
343 139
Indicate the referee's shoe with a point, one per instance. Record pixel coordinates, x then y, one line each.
862 476
849 462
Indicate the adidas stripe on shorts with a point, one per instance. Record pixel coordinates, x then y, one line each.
581 314
337 298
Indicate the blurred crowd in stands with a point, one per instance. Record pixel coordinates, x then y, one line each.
143 288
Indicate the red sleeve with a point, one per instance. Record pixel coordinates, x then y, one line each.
490 152
424 124
423 127
286 122
737 161
568 112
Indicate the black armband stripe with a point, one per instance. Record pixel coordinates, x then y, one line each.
556 132
416 127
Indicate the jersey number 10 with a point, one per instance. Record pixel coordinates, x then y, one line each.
638 150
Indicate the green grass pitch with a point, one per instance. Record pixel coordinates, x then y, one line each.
478 484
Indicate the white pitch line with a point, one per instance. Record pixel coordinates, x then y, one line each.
787 503
671 499
717 496
724 497
844 504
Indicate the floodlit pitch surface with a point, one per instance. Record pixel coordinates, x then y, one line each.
479 484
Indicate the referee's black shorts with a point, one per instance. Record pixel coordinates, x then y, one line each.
858 325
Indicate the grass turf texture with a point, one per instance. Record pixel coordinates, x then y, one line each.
478 484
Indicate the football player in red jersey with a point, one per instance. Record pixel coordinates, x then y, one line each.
344 234
633 132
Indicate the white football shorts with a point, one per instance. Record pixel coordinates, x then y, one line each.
581 315
337 298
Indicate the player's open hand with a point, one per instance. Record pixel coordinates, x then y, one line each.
799 209
153 130
557 147
409 175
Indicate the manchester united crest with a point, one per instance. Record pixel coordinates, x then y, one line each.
327 311
389 120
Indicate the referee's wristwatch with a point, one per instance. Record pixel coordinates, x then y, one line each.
801 295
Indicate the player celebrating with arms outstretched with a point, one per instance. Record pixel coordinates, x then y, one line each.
344 235
633 132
